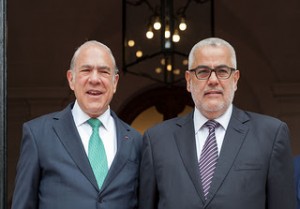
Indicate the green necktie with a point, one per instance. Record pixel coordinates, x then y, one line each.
96 152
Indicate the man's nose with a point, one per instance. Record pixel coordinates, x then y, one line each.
213 76
94 75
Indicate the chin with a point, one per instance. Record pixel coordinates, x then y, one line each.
214 107
94 111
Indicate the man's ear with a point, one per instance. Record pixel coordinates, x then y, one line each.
236 78
116 79
70 77
188 80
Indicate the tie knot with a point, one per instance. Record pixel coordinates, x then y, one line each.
211 124
94 122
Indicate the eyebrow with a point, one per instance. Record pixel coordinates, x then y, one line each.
222 65
218 66
102 67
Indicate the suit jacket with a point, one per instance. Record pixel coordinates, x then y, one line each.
54 172
254 169
297 177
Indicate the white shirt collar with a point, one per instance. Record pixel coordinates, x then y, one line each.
223 120
81 117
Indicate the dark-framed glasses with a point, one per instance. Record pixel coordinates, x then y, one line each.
222 72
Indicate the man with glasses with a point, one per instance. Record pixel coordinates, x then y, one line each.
218 156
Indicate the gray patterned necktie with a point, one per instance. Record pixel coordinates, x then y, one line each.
209 157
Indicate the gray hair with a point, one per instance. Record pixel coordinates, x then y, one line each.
214 42
92 43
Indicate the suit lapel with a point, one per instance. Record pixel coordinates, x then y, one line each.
124 145
185 140
233 140
66 131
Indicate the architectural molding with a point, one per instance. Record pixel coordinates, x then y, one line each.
282 90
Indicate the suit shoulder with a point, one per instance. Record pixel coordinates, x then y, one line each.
48 118
263 118
259 121
40 120
246 116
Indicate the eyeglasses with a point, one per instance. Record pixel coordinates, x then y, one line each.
222 72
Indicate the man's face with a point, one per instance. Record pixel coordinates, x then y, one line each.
212 97
93 80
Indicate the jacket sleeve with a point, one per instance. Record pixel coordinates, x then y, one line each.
28 173
281 185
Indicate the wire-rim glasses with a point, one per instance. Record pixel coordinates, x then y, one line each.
203 72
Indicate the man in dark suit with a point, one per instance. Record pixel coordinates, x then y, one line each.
218 156
297 178
57 168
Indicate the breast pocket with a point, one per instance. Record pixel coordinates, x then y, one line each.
248 166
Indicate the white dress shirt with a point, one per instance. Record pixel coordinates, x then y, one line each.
107 131
201 131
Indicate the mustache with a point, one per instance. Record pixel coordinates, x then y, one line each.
218 90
